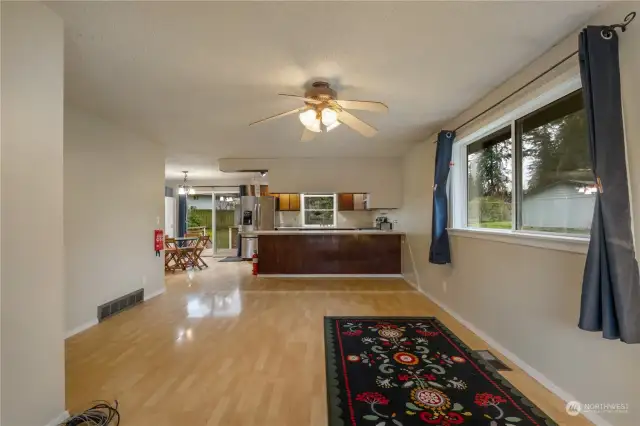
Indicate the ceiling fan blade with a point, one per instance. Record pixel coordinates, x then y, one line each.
363 105
311 101
293 111
356 124
307 135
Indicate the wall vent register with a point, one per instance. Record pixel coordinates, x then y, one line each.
120 304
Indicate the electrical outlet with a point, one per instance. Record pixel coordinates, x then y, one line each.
444 286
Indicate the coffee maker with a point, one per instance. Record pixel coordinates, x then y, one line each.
383 224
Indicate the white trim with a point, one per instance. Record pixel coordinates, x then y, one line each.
89 324
535 374
81 328
330 275
560 242
154 294
335 209
59 419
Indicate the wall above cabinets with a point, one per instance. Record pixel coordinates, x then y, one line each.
381 178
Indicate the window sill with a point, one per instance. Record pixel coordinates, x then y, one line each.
552 242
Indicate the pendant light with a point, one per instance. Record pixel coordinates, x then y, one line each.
184 188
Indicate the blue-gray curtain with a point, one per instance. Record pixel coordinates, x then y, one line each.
610 288
182 215
439 253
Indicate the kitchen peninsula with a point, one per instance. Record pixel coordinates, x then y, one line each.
329 252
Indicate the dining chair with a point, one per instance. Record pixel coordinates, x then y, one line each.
192 235
172 254
200 246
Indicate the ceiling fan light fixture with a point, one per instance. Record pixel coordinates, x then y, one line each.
333 126
308 117
314 126
329 117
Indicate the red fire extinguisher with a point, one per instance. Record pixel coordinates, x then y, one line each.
254 260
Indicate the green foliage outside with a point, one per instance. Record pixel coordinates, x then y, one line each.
195 218
203 217
553 152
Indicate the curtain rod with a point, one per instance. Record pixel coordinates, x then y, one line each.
608 29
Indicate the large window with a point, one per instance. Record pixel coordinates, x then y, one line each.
489 181
318 209
533 174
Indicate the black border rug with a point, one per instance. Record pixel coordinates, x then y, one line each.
407 371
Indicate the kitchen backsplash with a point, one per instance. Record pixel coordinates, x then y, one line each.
348 219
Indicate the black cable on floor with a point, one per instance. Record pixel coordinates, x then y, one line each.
101 414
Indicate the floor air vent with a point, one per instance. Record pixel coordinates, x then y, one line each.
109 309
493 360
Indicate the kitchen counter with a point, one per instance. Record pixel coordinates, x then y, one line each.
328 231
329 252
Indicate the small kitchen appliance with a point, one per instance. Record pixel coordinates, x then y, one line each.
383 224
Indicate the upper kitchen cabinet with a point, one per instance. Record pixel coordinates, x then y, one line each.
264 190
345 202
294 202
351 202
283 205
287 202
360 201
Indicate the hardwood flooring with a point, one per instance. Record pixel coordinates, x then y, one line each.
221 347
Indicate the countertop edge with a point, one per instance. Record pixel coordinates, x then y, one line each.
322 232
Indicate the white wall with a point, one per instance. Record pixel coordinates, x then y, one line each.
113 200
379 177
32 237
527 299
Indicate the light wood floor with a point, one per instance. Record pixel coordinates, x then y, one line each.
223 348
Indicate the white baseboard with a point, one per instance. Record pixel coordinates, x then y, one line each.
93 322
541 378
154 294
61 417
330 275
81 328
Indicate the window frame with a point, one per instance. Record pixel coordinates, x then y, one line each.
459 178
303 196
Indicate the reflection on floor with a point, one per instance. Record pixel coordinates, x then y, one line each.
222 347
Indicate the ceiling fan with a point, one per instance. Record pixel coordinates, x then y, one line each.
323 112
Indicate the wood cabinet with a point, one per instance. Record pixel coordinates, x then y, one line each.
284 202
351 202
345 202
360 201
287 202
294 202
264 190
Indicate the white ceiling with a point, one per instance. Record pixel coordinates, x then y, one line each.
192 75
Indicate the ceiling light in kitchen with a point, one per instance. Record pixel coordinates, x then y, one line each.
329 117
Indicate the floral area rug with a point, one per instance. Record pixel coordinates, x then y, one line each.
389 371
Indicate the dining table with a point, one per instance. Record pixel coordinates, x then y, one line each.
184 241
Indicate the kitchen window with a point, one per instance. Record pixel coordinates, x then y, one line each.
530 173
318 209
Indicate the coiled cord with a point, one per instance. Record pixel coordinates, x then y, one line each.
101 414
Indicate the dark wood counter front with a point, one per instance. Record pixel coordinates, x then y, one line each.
330 254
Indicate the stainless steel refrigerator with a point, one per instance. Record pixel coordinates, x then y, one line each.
255 214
